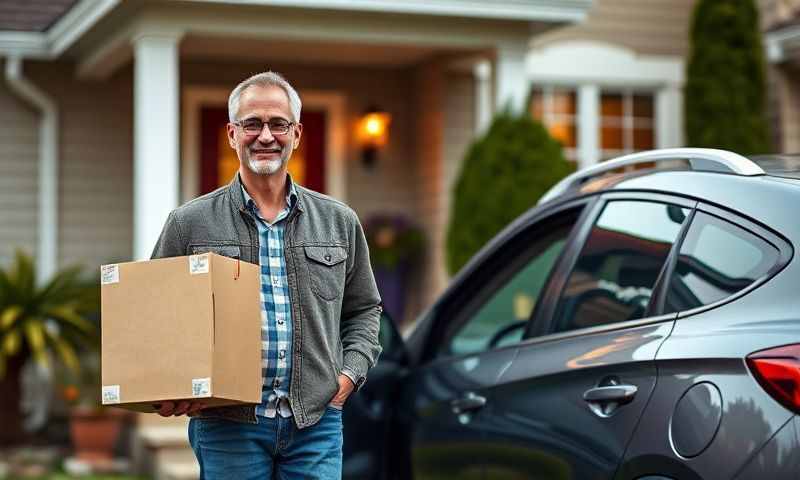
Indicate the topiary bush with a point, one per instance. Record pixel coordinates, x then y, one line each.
504 174
725 88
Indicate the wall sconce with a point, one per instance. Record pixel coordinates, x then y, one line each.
373 134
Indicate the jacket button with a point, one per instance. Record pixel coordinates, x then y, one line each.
327 258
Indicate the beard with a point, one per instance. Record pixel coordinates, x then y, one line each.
268 167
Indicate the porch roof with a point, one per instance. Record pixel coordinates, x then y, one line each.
89 21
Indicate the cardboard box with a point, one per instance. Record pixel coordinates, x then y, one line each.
181 328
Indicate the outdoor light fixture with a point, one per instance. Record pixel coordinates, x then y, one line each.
373 134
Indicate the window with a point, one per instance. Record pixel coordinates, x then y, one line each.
618 266
496 315
557 109
626 123
716 260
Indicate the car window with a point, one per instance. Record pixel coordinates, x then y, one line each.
619 264
716 260
497 314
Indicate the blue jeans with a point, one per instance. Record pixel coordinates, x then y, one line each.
273 448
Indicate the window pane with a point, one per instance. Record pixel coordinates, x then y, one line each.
618 266
611 138
537 104
611 105
501 316
564 132
716 260
643 106
643 138
564 102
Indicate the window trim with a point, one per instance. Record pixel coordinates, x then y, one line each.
450 306
543 325
784 247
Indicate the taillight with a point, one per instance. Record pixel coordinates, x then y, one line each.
778 371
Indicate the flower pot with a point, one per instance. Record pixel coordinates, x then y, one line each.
94 433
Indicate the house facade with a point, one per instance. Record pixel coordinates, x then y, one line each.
613 84
113 111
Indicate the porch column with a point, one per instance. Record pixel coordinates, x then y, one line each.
511 80
156 136
588 125
669 117
482 71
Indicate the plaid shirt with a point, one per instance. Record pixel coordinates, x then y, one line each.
276 313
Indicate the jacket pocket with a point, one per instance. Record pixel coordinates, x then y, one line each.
326 269
232 251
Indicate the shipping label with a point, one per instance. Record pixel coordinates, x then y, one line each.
109 274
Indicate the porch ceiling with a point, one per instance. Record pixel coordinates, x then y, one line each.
304 52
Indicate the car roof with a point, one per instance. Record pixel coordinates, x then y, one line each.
765 188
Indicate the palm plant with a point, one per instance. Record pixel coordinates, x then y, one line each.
47 322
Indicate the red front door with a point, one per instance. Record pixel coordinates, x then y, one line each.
219 162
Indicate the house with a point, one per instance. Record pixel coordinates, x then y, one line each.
780 21
613 84
113 111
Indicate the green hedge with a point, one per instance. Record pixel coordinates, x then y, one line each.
504 174
725 88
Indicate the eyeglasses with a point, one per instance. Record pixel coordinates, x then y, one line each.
254 126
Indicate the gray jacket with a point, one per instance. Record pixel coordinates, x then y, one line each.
335 303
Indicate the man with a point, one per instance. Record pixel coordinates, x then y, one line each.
319 303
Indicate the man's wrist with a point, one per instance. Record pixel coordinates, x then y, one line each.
352 376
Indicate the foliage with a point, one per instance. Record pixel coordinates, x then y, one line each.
504 174
725 88
48 321
392 241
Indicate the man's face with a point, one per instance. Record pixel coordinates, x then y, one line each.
264 153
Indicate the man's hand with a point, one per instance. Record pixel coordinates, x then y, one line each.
168 409
346 387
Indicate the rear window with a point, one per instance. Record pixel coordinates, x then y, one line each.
717 259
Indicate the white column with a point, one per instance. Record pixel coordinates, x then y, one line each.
156 137
482 71
511 81
669 117
588 125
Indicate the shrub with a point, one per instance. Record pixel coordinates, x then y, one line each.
725 89
504 173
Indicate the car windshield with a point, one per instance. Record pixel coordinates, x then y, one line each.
779 165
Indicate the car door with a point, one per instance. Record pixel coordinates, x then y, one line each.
368 413
573 394
475 329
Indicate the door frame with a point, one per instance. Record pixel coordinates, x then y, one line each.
194 98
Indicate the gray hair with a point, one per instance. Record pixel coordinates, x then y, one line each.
265 79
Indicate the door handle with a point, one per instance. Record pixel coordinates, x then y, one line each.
605 400
611 393
468 402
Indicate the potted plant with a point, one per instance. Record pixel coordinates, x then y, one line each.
45 321
395 245
94 429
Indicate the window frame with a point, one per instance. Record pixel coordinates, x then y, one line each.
543 325
453 305
784 247
628 120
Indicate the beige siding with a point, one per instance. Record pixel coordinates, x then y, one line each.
774 12
785 109
19 149
95 165
654 27
783 87
429 103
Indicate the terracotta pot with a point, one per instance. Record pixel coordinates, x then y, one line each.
95 432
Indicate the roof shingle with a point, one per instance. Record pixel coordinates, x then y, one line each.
32 15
